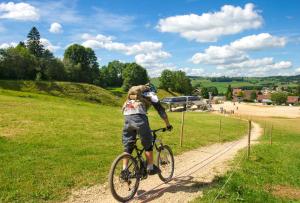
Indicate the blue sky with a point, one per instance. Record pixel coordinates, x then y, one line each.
201 37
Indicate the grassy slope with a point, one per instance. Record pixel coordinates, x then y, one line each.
118 91
80 91
268 167
50 145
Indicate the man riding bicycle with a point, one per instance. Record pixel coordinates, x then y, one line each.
139 99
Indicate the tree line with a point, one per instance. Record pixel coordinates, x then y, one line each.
176 81
30 60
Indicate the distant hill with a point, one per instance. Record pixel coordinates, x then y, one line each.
80 91
244 82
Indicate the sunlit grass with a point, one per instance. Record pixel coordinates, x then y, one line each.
50 145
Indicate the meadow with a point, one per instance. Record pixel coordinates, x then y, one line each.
272 172
50 145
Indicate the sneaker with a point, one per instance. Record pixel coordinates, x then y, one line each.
154 171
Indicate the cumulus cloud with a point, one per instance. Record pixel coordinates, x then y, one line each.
234 56
258 42
219 55
19 11
263 64
193 71
298 70
208 27
106 42
146 53
48 45
7 45
148 58
55 28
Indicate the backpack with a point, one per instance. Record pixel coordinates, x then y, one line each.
136 93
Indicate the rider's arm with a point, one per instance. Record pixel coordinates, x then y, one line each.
158 107
161 111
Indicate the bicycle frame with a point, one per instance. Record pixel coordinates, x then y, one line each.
139 153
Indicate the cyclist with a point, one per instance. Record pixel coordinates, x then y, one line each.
139 99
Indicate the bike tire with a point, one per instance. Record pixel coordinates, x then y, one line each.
111 178
169 151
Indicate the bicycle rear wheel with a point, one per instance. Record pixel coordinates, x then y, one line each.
165 162
123 184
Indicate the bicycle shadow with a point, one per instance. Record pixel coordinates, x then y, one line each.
183 184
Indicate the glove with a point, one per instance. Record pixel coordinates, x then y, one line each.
169 127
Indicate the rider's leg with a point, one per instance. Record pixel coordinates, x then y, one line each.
149 157
128 139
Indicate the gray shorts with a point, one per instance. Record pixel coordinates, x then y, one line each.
136 124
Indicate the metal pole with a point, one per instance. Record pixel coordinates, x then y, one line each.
249 138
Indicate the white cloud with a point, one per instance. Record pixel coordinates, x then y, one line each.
193 71
7 45
258 42
262 64
55 28
234 60
208 27
148 58
298 70
219 55
106 42
18 11
48 45
146 53
236 50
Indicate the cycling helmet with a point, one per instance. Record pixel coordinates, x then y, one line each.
152 87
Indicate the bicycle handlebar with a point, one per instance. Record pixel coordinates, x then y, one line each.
159 130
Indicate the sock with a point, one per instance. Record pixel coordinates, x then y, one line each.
150 167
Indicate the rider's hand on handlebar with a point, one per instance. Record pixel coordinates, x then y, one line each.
169 127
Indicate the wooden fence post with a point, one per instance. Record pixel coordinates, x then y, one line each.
182 126
220 129
265 128
271 134
249 138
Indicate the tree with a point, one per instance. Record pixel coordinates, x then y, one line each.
55 70
81 64
134 74
214 91
279 98
167 80
229 93
112 74
182 83
17 63
204 92
298 90
34 44
253 95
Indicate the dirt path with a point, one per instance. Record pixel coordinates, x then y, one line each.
194 170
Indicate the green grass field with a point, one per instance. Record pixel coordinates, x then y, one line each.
272 174
50 145
221 86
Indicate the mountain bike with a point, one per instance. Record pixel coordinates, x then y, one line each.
124 183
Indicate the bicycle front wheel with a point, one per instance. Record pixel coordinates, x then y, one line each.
124 181
165 162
